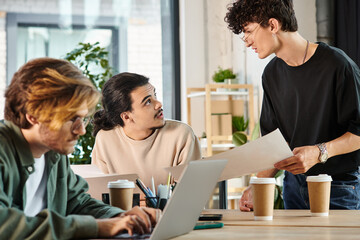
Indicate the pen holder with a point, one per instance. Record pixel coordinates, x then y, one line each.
154 202
151 202
105 198
162 203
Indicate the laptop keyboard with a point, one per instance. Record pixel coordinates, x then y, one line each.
134 236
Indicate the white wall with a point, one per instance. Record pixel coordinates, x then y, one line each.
206 43
192 51
305 11
2 62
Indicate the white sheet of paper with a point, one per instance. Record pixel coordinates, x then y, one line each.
251 157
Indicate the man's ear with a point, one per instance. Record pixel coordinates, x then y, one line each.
275 25
31 119
125 116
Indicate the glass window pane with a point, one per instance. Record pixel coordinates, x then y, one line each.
34 42
139 34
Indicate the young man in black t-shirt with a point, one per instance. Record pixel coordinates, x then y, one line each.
311 93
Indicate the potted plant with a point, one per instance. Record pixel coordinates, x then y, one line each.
93 61
239 126
222 74
203 140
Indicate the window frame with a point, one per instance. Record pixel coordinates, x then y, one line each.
16 20
170 46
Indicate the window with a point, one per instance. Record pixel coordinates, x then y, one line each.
141 36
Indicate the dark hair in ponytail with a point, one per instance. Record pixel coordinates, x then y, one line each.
116 99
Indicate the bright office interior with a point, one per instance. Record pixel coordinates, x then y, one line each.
141 29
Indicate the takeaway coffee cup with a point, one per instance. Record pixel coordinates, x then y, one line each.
263 197
121 194
319 194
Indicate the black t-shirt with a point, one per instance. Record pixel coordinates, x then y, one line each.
315 102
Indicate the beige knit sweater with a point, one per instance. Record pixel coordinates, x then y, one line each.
171 145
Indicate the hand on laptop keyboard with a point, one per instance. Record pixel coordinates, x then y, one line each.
137 220
149 215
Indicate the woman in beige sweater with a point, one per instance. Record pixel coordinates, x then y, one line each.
132 135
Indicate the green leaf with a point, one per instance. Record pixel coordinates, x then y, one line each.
90 57
239 138
279 173
278 199
256 132
239 123
104 63
96 50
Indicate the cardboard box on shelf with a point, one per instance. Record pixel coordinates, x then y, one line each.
234 107
221 125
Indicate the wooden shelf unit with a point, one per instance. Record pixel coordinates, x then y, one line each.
244 90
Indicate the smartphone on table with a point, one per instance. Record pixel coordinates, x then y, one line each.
206 225
210 217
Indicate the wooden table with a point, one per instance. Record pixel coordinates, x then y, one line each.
287 224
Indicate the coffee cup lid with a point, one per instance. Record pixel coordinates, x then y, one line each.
256 180
121 184
319 178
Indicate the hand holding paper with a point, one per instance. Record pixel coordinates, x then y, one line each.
304 158
251 157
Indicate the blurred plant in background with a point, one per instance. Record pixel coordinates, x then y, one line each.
239 125
278 198
221 74
93 61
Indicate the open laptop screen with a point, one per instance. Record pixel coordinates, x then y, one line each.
193 190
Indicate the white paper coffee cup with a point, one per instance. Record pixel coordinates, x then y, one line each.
121 193
263 197
319 194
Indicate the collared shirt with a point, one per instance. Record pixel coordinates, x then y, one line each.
70 211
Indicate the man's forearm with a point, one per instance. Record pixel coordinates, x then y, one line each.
46 224
345 144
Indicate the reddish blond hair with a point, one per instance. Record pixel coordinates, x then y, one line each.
52 90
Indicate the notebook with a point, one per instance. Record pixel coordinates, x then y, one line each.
191 193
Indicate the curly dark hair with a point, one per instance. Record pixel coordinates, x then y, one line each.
243 12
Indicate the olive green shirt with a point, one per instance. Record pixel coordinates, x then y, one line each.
70 211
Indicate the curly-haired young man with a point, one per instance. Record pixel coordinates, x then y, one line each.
311 93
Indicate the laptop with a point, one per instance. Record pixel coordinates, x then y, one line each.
98 180
191 193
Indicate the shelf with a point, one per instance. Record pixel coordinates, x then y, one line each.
230 90
219 145
225 93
